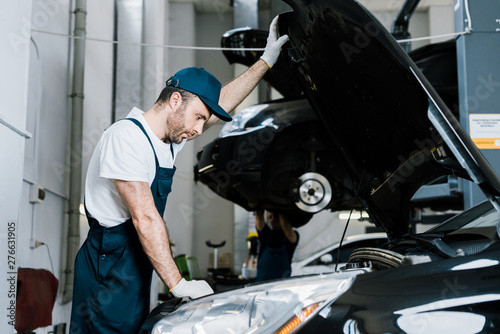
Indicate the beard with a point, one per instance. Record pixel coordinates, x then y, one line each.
175 125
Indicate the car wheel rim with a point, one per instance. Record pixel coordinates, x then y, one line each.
314 192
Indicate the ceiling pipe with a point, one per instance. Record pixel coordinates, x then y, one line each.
75 186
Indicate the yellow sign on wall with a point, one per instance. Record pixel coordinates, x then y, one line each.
484 130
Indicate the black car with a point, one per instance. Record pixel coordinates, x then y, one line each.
278 155
393 133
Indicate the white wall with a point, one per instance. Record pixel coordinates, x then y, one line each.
14 62
441 21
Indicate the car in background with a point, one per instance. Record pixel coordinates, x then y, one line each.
335 256
278 155
395 134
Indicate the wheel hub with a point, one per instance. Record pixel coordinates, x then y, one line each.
314 192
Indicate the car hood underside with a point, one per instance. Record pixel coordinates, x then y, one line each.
394 131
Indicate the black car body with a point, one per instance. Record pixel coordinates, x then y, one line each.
394 133
278 156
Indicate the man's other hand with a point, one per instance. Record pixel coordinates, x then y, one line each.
193 289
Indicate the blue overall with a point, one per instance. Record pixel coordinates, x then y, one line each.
112 272
275 256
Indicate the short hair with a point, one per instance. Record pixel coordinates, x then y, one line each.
167 92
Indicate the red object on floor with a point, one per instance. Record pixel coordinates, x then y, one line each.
36 295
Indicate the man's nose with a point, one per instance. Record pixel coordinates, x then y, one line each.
198 128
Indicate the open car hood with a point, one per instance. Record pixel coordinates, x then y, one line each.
395 132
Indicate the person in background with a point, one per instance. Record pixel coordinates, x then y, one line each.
277 244
128 180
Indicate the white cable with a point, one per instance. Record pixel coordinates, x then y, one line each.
468 29
431 37
149 45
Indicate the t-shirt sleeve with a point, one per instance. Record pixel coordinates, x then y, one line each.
125 155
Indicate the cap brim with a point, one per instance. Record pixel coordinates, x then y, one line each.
216 109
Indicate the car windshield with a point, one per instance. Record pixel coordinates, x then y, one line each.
480 220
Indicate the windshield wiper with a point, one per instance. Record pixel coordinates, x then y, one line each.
436 243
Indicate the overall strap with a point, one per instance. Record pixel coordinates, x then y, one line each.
144 130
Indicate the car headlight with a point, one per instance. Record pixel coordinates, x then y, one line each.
277 307
239 120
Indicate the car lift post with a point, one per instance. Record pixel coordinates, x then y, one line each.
479 81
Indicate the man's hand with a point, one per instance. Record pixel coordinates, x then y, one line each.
260 221
274 44
193 289
235 91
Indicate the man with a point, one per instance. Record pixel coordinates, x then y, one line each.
276 246
128 181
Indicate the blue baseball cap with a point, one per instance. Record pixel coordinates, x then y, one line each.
198 81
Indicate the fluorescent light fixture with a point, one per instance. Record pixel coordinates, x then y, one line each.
344 215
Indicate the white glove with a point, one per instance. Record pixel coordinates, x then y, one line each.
193 289
274 44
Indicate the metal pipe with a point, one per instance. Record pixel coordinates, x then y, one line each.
76 148
115 62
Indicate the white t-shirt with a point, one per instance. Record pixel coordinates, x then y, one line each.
123 153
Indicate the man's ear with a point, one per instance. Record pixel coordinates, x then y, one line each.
175 100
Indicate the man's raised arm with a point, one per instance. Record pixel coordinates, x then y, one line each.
235 91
